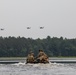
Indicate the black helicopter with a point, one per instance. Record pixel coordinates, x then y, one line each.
28 27
41 27
1 29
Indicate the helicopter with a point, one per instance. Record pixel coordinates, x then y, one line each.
28 27
1 29
41 27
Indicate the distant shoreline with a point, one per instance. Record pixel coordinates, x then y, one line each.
10 60
24 58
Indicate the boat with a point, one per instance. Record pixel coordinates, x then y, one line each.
40 58
36 61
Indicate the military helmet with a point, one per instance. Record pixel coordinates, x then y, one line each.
40 50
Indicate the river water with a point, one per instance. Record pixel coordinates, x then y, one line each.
38 69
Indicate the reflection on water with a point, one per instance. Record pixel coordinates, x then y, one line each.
38 69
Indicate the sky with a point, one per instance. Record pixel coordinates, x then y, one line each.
58 17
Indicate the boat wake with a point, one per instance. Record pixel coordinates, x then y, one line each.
40 65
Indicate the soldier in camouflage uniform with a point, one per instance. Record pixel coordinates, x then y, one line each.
30 58
42 57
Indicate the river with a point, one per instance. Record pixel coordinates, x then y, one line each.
38 69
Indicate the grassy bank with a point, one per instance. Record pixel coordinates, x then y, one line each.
25 57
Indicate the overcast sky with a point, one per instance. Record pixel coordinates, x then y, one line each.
57 16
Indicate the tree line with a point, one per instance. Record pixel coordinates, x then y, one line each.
21 46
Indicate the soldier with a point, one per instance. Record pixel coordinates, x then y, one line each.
42 57
30 58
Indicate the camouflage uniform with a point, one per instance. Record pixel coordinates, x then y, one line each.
42 57
30 58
